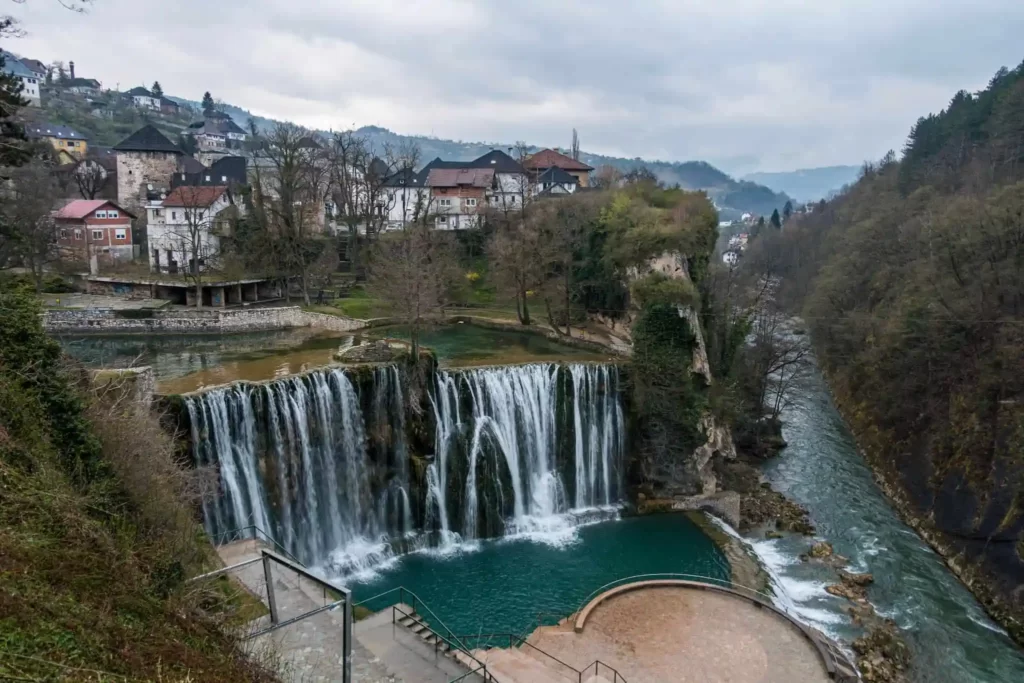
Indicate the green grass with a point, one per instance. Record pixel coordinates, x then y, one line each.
240 605
358 304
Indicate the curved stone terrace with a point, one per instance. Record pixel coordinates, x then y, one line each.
682 631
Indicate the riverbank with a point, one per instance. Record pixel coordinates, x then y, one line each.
1007 615
947 631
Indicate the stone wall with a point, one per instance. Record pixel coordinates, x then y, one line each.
193 321
137 169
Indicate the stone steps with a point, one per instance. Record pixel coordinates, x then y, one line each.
414 624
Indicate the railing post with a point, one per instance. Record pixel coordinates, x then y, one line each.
346 654
269 578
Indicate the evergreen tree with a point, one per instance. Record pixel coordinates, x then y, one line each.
157 90
787 210
775 220
187 143
207 102
760 222
13 145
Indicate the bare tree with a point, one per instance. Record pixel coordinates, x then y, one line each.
91 178
29 237
564 224
290 174
414 272
194 239
606 177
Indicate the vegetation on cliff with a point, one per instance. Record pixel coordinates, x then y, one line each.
97 534
912 283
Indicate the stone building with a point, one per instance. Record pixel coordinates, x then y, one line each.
146 160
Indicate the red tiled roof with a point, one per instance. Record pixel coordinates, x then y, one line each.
547 158
77 209
454 177
191 196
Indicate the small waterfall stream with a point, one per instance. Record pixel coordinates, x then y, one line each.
339 468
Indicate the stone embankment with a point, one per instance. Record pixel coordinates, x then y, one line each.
202 321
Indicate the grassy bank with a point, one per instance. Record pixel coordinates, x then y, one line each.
98 532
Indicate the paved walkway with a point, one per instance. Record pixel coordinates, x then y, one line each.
311 649
681 635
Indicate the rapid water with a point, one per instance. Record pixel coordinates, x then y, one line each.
323 463
953 638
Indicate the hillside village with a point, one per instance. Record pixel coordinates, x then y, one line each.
157 214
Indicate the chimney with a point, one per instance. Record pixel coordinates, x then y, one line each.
71 65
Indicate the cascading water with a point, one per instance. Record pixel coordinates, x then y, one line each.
510 442
326 466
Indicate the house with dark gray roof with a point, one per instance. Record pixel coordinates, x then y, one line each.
555 181
143 98
30 82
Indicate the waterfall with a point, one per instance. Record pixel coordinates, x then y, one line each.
512 428
324 462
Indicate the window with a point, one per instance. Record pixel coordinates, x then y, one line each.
63 234
471 201
207 178
78 234
174 215
112 214
444 202
97 234
513 199
101 214
442 219
120 234
223 178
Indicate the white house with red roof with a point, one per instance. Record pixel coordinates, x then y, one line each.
88 228
184 230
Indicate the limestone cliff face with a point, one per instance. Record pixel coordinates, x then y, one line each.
689 482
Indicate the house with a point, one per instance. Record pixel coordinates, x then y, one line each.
227 170
184 230
145 158
554 181
61 138
83 86
38 69
549 158
459 195
94 231
143 98
731 258
408 197
169 107
218 133
512 182
30 82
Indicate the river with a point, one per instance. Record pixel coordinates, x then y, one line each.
953 638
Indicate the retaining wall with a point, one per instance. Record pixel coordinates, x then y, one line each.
181 321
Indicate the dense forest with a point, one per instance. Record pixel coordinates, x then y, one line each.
912 284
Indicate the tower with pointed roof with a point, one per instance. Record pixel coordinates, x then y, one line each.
145 158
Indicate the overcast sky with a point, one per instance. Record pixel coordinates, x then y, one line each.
745 84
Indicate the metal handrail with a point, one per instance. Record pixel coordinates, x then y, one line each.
450 640
217 539
518 641
402 592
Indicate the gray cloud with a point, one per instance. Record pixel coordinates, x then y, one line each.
746 84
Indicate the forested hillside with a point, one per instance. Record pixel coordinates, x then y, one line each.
912 283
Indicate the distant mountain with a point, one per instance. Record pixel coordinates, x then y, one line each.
731 197
808 184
